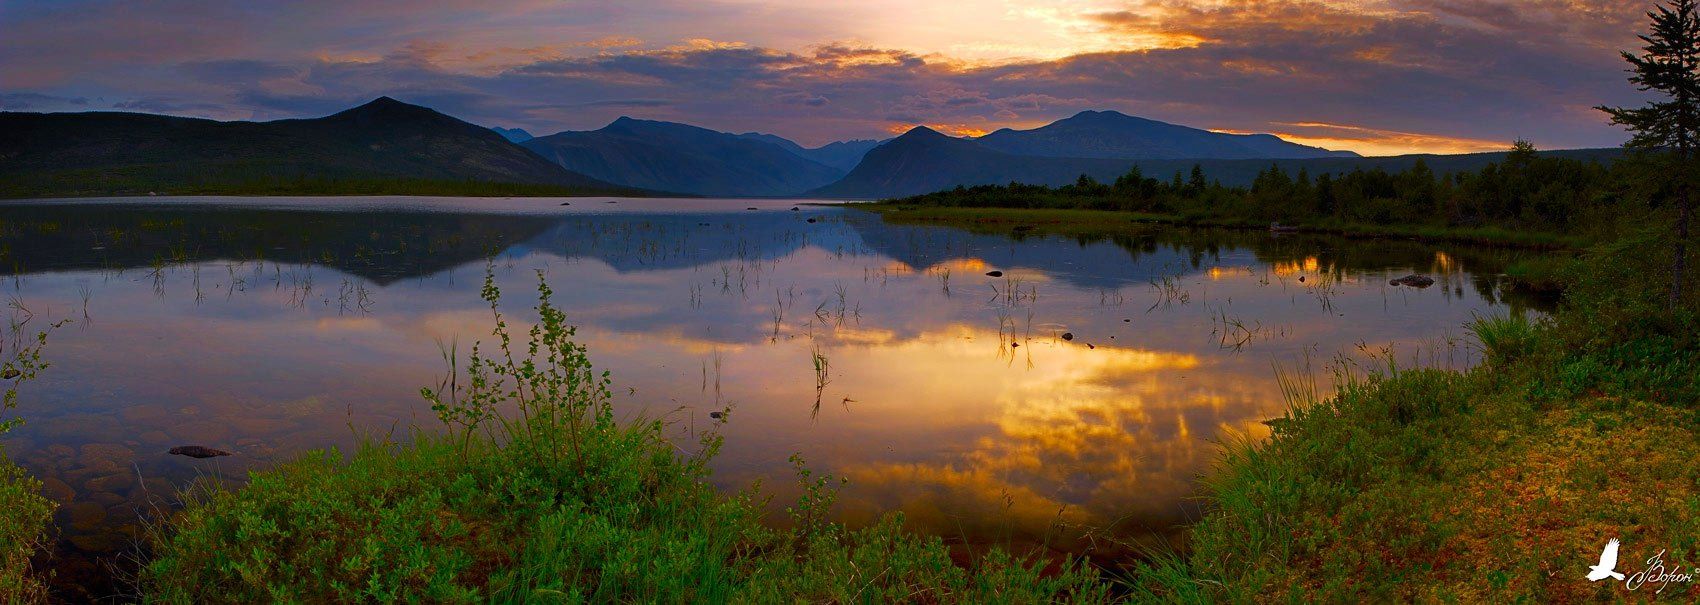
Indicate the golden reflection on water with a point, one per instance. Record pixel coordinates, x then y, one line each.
928 406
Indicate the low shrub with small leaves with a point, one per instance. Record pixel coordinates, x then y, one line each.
538 495
24 515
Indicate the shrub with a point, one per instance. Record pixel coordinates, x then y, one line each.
539 495
24 515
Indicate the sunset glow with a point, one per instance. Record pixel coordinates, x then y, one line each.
823 71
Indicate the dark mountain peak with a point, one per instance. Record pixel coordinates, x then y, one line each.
637 126
921 133
1108 116
513 135
381 140
389 109
773 139
1114 135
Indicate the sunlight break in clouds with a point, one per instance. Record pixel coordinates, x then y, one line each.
1405 75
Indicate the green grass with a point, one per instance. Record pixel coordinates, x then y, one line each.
1495 485
1505 339
1544 273
24 515
536 494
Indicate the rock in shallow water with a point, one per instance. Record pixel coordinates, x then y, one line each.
1413 280
196 451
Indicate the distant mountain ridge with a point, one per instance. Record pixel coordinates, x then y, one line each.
925 161
113 152
843 155
385 144
513 135
668 156
1115 135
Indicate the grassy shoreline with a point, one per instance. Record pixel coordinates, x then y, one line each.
1500 484
24 517
1406 484
1547 273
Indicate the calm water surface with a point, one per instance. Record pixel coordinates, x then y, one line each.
271 326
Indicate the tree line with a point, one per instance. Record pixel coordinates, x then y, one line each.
1526 190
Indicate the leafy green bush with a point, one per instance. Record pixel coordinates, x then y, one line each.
23 521
1618 331
539 495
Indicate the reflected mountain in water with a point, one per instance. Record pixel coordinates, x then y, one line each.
391 245
950 395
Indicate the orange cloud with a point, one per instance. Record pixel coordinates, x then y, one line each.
955 130
1376 141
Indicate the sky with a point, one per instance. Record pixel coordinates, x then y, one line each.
1378 76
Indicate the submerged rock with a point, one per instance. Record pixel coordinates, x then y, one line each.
196 451
1413 280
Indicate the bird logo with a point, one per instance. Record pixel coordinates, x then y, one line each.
1607 567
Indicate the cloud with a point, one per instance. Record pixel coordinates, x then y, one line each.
229 71
1426 74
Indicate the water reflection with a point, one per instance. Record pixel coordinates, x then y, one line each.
947 394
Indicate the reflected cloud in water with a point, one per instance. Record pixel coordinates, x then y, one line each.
950 395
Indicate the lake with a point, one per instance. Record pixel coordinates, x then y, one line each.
1071 403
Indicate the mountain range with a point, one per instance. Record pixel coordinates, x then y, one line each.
666 156
843 155
387 144
129 153
923 161
1115 135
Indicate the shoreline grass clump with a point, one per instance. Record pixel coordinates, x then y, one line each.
538 494
24 515
1499 484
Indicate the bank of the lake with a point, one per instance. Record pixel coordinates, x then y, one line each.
1499 483
1543 268
1495 483
1076 221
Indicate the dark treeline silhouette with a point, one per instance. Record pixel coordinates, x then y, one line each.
1526 191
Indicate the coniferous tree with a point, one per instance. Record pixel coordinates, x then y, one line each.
1669 64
